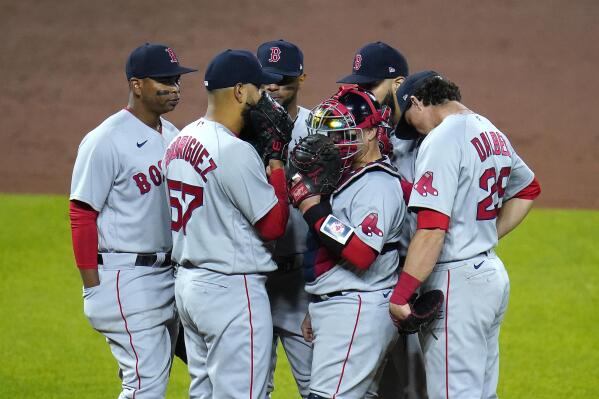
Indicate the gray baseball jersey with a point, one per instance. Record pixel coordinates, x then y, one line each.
218 191
465 169
118 173
371 202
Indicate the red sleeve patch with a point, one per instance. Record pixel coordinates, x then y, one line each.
424 185
369 225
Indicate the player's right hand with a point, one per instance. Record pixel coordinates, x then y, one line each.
89 277
307 328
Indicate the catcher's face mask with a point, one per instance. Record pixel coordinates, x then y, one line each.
343 117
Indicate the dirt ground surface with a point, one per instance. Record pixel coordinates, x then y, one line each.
529 66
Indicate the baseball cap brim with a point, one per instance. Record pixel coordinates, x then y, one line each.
268 77
281 72
405 131
359 79
178 70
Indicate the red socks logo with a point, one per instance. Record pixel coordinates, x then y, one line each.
424 186
369 225
172 54
275 54
357 62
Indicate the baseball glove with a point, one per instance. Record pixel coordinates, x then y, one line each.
272 129
425 308
315 168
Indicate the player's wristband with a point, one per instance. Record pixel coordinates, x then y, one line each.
405 288
317 212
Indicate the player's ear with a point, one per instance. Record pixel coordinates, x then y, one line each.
416 103
396 83
300 80
240 93
135 86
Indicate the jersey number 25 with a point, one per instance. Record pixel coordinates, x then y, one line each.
181 218
493 184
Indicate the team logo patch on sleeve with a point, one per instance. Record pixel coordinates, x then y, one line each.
424 186
336 229
369 225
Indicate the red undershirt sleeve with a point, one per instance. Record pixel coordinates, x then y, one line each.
430 219
84 232
530 192
272 225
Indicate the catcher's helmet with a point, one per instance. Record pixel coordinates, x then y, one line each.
342 118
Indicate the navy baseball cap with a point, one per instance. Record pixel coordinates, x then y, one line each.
154 60
236 66
374 62
403 130
281 57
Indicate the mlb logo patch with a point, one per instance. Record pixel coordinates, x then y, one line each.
336 229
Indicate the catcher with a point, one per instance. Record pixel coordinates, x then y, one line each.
355 224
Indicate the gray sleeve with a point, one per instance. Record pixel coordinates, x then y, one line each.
243 179
375 211
520 176
437 173
95 171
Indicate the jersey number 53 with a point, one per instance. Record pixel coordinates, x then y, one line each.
187 191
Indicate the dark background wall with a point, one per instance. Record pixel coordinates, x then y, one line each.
529 66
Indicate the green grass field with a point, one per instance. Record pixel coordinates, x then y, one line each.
549 340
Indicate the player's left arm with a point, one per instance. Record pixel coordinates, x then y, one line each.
348 246
272 225
372 219
263 202
513 212
520 192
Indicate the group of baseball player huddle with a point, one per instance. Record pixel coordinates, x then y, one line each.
352 234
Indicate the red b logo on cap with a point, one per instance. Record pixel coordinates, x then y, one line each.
171 54
357 62
275 54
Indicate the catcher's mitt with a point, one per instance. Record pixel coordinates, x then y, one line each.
425 309
315 168
272 127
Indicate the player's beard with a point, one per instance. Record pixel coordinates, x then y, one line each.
247 132
286 103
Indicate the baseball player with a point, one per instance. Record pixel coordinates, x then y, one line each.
288 299
354 263
223 210
471 188
381 69
120 225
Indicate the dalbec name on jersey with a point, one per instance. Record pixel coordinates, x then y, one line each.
490 143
